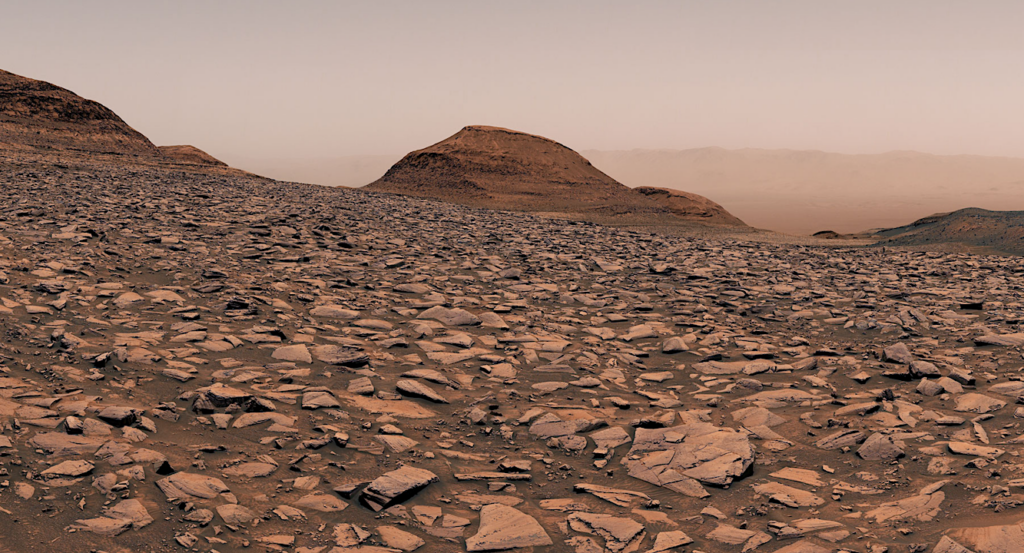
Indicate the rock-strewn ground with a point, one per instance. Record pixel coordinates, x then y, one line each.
220 363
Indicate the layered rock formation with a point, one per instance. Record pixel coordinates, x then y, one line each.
970 229
690 206
499 168
41 116
190 155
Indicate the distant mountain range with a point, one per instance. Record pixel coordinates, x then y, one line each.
802 192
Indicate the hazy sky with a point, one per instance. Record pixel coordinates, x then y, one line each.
297 79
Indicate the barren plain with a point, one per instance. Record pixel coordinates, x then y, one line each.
207 361
194 358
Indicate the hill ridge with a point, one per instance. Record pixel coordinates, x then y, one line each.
970 229
500 168
40 115
43 119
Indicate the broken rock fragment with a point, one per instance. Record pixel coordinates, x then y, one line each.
503 527
450 317
396 486
619 533
184 485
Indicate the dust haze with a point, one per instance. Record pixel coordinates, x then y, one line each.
803 192
791 191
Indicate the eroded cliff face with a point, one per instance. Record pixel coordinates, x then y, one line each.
37 115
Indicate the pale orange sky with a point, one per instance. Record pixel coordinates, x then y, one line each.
296 80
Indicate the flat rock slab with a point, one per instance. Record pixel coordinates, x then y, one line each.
251 470
69 469
397 444
183 485
788 495
399 539
451 317
416 389
251 419
104 526
841 439
730 535
803 546
666 541
948 545
503 527
978 403
297 353
922 507
619 533
898 353
611 437
340 356
757 416
880 447
222 396
320 502
669 457
132 510
478 500
317 400
966 448
987 539
804 476
235 514
396 486
334 312
622 498
1009 340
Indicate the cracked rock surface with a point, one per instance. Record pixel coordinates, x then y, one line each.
213 362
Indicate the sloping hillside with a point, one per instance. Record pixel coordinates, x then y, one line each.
37 115
970 229
499 168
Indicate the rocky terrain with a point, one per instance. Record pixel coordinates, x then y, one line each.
204 361
198 359
972 229
499 168
691 206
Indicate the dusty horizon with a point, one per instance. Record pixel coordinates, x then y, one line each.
324 79
791 191
333 93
